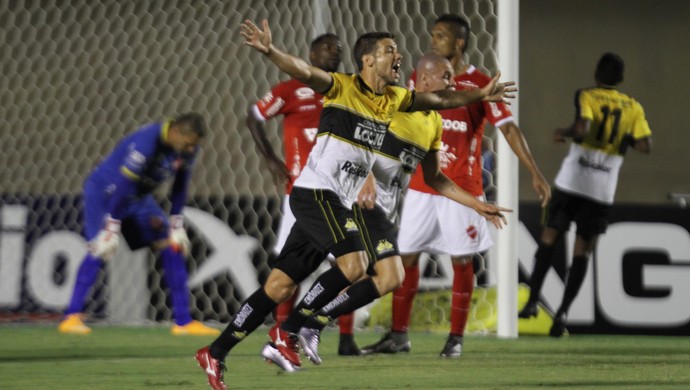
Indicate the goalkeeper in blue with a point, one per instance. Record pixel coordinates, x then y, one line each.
118 201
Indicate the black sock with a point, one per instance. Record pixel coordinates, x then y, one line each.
542 262
325 288
251 314
358 295
576 276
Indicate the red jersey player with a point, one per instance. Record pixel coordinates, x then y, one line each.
430 222
301 109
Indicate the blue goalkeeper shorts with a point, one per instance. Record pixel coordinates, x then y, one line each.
143 220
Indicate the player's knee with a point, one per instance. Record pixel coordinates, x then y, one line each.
279 286
352 267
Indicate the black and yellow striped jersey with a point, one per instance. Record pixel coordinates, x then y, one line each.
593 163
411 136
617 119
354 122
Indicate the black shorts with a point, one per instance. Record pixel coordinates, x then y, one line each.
381 235
590 217
323 225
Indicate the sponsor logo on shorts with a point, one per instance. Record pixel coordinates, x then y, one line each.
384 246
350 225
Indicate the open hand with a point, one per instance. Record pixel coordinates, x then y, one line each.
255 37
499 92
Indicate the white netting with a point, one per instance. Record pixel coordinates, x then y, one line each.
78 75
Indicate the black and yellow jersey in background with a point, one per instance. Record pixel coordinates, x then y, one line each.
411 136
353 125
592 165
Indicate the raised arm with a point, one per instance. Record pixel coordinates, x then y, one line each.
434 178
441 100
261 40
518 144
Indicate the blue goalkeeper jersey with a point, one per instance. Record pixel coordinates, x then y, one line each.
139 164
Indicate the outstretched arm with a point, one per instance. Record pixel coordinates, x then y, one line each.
276 165
438 181
517 142
441 100
261 40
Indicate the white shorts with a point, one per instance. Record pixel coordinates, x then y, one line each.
438 225
286 223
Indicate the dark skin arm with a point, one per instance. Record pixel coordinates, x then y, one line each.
518 144
276 165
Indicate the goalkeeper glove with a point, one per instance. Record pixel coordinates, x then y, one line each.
106 242
178 235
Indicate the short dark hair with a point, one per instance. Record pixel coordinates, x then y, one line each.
366 44
459 26
322 38
195 122
610 69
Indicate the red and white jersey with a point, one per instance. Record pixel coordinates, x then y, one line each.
301 108
463 129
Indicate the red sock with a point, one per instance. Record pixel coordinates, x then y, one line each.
403 298
283 310
346 322
463 284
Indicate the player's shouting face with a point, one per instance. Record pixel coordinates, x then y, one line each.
387 61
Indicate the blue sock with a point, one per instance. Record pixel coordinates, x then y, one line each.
175 273
86 277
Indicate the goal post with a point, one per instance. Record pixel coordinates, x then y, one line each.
506 253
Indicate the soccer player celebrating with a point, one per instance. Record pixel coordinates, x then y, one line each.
357 111
433 223
414 137
301 108
118 201
607 122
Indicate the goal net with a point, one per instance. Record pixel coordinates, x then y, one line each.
78 75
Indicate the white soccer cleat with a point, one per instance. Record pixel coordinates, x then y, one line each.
271 354
309 340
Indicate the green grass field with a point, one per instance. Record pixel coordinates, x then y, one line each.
37 357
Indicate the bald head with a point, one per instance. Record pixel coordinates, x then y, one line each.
434 73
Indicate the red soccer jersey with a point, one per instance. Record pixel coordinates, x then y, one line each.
463 129
301 108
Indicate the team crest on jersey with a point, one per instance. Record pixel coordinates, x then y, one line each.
304 93
384 246
350 225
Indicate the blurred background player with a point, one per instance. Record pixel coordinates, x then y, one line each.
301 109
606 123
413 138
357 111
118 200
434 224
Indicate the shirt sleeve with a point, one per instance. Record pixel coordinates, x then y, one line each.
405 97
641 127
178 191
272 104
583 106
436 142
